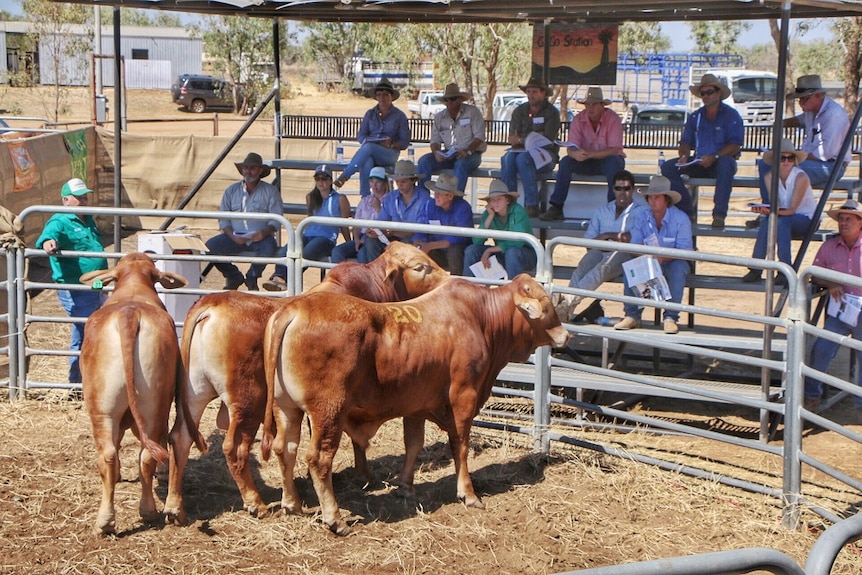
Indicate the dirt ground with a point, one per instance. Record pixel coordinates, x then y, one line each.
574 510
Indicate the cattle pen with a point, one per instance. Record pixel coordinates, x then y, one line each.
587 394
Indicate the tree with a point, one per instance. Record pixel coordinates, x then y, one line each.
135 17
721 37
332 47
642 38
53 26
241 49
850 33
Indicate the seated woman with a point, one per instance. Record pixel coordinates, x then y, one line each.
317 240
367 209
796 205
502 213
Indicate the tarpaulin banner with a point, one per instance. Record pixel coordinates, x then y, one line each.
76 143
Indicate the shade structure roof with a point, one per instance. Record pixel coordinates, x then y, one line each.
479 11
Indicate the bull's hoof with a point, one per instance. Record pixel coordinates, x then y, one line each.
257 510
340 528
291 509
472 501
176 517
104 529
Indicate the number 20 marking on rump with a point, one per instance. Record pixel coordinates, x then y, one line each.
405 314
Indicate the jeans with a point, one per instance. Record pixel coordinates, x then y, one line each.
428 165
78 304
823 352
520 164
367 157
222 245
514 260
316 248
818 173
608 167
370 250
723 170
788 226
675 272
343 252
597 267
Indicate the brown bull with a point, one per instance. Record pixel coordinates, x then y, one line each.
351 365
222 347
130 366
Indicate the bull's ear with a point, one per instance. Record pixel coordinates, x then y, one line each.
391 272
107 277
170 280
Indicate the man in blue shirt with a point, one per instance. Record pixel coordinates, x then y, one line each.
662 225
714 132
447 208
383 133
405 204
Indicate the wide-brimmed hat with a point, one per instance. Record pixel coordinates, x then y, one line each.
254 160
594 94
807 85
447 183
323 170
849 207
786 146
452 92
710 80
387 86
404 169
661 185
378 173
499 188
534 83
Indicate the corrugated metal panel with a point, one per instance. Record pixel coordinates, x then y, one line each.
185 56
148 74
3 70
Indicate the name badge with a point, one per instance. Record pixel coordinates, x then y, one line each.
539 120
464 122
434 222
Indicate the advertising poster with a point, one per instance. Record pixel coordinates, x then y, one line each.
580 53
26 175
76 143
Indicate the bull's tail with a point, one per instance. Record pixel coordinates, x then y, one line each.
181 401
130 327
272 341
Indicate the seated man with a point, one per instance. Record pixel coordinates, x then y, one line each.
457 139
383 133
448 208
714 132
662 225
843 253
249 195
536 115
597 135
612 223
407 203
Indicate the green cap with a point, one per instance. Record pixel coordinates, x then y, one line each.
75 187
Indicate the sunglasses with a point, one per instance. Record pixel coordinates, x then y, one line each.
709 92
788 158
622 188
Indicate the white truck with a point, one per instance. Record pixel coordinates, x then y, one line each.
426 105
752 93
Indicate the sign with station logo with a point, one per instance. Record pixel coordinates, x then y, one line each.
579 53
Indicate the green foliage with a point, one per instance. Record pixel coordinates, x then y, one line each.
642 38
720 37
241 51
136 17
330 46
819 57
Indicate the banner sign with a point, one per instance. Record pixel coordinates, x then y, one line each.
579 53
76 143
26 174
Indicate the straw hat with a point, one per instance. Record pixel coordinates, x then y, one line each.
446 183
661 185
786 146
710 80
849 207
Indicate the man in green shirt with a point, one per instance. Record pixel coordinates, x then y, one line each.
72 232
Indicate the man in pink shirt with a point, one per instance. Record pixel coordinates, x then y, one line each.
597 135
843 253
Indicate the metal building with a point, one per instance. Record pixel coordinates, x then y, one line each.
154 56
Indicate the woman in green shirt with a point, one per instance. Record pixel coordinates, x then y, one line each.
503 213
